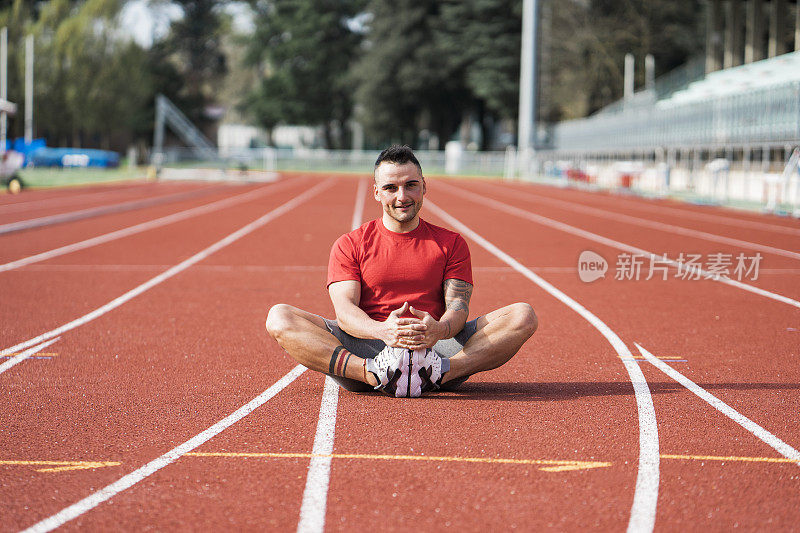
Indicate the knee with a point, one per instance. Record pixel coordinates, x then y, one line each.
524 319
279 320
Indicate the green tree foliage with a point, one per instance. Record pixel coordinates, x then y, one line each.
191 55
400 66
430 60
405 80
93 86
90 87
483 37
304 50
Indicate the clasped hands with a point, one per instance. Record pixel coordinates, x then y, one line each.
421 331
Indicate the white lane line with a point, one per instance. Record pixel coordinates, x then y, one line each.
129 480
144 226
645 497
767 437
661 226
214 268
99 210
719 219
539 219
70 199
27 353
315 494
180 267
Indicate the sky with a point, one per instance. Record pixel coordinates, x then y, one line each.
146 23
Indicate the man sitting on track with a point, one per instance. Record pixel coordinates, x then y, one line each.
401 286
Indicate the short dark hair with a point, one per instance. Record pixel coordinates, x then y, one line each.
398 155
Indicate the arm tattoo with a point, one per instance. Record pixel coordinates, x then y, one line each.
457 294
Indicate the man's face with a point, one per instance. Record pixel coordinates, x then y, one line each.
399 189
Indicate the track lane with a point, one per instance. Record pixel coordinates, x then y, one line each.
195 344
674 298
787 451
66 295
718 339
24 244
564 387
84 206
220 316
726 216
149 224
64 195
629 240
127 481
759 239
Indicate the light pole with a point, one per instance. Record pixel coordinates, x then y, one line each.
526 127
3 87
28 89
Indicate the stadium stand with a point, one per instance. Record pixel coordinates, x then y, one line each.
728 135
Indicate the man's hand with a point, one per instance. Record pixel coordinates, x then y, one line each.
433 332
403 332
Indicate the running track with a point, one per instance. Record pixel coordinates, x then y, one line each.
140 389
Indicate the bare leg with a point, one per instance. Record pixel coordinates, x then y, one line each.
500 335
305 337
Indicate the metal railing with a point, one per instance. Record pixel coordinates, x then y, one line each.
168 114
307 159
750 185
679 78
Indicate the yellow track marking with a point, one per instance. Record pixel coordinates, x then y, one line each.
551 465
729 458
546 465
62 466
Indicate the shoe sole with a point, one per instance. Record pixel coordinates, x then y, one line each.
429 382
409 385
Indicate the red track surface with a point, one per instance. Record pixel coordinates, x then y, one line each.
171 362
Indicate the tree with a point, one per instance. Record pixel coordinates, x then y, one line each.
90 86
17 16
304 50
405 80
482 39
193 50
431 64
590 40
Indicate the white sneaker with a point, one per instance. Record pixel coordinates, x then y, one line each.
407 373
430 367
410 383
387 367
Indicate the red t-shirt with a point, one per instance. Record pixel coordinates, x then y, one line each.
400 267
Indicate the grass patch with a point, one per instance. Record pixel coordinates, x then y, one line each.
65 177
